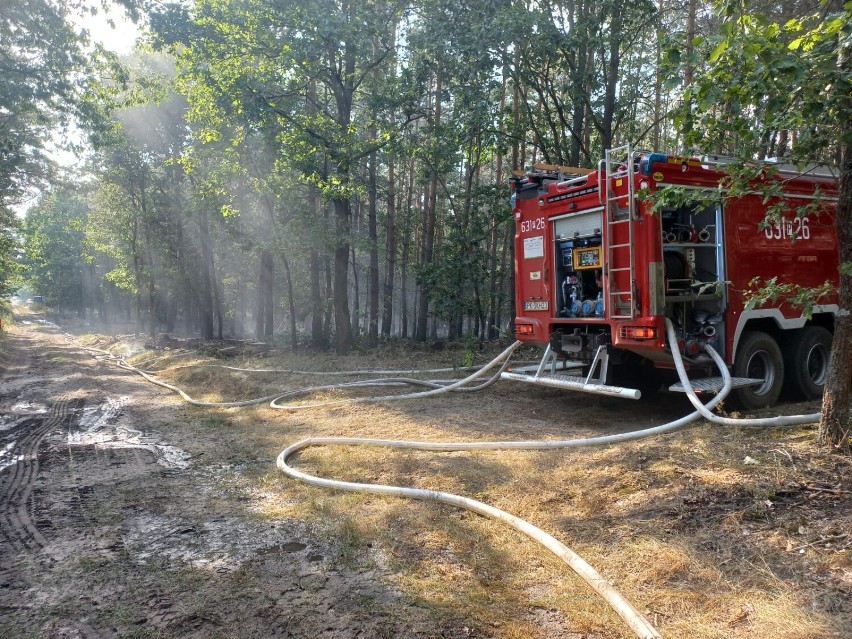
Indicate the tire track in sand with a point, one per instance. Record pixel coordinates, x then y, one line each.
19 530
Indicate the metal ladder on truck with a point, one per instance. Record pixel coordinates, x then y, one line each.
620 263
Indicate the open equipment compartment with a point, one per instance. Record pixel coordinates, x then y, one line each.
579 265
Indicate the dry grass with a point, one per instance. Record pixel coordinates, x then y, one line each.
708 546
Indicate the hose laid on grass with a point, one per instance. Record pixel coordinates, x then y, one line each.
436 387
781 420
294 371
637 623
640 626
634 619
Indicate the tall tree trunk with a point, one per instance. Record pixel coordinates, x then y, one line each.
390 226
607 132
587 128
517 164
578 82
342 325
516 118
390 266
317 334
834 425
136 251
492 331
508 241
329 299
343 89
260 292
264 326
206 293
406 249
429 214
291 301
688 70
217 299
148 254
356 296
690 40
658 81
373 272
269 294
240 311
372 224
152 306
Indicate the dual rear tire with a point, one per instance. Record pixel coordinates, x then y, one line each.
758 357
806 355
799 372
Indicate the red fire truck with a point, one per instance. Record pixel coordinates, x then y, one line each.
598 271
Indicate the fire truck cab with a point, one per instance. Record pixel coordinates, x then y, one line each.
598 272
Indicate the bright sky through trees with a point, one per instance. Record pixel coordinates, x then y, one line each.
116 33
120 37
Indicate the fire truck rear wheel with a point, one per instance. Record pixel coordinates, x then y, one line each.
758 356
806 355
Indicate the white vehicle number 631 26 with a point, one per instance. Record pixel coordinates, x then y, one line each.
797 228
532 225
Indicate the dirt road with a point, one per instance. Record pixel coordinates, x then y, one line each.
109 529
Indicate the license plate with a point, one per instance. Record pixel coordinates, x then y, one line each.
537 305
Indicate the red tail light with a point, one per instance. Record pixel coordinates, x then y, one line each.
524 329
638 333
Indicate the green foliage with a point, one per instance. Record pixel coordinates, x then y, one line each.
53 233
289 70
585 67
762 292
9 250
41 59
765 76
252 108
675 197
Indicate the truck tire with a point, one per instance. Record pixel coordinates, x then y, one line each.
758 356
806 355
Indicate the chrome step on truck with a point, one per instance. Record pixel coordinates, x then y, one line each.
714 384
559 377
557 373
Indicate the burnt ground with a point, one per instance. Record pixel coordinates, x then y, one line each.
123 513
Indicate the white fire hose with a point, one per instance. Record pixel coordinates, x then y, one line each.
781 420
437 387
640 626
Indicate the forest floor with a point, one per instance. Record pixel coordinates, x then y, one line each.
125 512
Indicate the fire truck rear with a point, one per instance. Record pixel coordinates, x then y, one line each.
598 271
